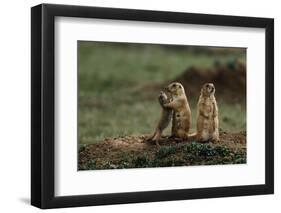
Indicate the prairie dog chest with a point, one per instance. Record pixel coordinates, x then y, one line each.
180 112
208 107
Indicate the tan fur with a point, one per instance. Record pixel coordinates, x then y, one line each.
181 110
165 118
207 115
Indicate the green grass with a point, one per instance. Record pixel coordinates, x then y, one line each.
110 75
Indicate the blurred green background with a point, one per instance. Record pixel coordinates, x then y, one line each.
119 84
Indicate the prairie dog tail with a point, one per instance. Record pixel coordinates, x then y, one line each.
192 136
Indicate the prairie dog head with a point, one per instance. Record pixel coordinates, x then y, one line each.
208 90
175 88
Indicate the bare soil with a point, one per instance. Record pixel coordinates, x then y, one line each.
136 152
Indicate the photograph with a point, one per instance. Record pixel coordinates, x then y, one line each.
149 105
160 105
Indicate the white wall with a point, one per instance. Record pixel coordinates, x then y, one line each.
15 105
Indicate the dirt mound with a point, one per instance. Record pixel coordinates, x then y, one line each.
136 152
229 80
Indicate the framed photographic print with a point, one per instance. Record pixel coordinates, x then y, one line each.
139 106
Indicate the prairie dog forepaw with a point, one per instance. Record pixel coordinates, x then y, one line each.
162 97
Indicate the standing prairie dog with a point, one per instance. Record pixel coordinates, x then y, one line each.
207 115
165 118
182 114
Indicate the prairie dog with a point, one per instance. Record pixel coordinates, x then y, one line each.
207 115
165 118
182 114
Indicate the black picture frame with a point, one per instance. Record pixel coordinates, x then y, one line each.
43 102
